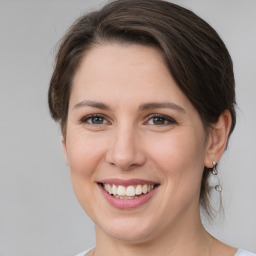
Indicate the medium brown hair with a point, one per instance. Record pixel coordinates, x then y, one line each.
195 55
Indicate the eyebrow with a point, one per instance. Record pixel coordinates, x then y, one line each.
143 107
90 103
155 105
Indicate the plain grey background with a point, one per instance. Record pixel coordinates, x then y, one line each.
39 214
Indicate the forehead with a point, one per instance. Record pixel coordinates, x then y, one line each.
133 71
118 60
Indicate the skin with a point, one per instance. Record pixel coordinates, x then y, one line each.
129 143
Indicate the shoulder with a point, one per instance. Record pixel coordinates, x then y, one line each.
241 252
84 252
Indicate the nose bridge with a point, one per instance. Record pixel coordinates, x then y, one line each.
125 151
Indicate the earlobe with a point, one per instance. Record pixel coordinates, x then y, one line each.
218 137
64 147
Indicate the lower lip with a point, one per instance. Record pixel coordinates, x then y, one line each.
127 203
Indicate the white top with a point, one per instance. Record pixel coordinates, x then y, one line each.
239 252
84 253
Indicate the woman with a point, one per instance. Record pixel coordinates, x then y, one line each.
144 93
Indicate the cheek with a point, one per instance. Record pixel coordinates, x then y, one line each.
84 153
180 156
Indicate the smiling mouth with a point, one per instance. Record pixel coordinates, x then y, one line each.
128 192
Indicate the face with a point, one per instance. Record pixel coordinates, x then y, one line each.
135 145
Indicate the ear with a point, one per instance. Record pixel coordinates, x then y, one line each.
217 139
64 147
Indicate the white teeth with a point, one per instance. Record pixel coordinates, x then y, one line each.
125 197
139 190
145 189
129 192
121 191
114 190
108 188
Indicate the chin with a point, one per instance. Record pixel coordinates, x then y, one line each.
130 234
132 231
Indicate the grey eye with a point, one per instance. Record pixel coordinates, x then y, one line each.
158 120
97 120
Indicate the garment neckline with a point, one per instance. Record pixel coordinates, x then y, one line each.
89 250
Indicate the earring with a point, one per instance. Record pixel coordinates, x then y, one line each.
214 180
214 169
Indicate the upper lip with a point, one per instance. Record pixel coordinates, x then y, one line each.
128 182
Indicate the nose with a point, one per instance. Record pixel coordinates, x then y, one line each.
125 152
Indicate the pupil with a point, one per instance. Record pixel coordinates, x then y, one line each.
158 120
97 120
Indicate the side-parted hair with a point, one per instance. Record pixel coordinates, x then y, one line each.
195 55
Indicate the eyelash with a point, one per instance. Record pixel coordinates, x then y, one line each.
167 120
85 119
